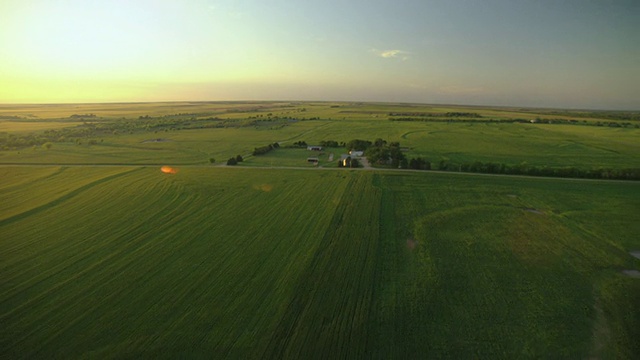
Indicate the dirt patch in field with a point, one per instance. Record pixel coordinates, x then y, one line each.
412 244
632 273
635 254
156 140
535 211
263 187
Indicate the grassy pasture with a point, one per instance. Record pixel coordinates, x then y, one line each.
510 267
551 145
540 145
296 157
536 144
202 244
129 110
252 263
31 126
27 190
125 261
324 110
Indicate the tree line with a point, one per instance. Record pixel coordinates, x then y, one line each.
265 149
529 170
381 153
233 160
452 114
523 121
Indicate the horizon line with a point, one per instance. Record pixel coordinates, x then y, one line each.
314 101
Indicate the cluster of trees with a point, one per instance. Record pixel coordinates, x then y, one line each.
329 143
19 141
524 121
530 170
525 169
235 160
417 164
12 141
483 121
81 133
565 172
358 145
585 122
610 115
462 114
323 143
447 114
280 118
381 153
448 120
265 149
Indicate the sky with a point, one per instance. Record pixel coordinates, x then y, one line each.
546 53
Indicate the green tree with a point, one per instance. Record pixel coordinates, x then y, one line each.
380 142
357 144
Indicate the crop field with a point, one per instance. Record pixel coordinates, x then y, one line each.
31 126
44 111
253 263
193 133
103 255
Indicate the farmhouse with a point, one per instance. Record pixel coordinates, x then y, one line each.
356 153
314 148
313 160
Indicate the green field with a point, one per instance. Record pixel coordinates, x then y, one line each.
113 262
102 255
241 127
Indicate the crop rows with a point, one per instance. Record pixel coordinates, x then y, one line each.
230 263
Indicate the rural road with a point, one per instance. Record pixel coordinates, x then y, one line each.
366 167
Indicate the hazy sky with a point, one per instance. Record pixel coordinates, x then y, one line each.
551 53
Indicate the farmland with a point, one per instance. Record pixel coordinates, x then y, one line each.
192 133
118 259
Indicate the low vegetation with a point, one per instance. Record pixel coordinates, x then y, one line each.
292 264
500 140
164 254
265 149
